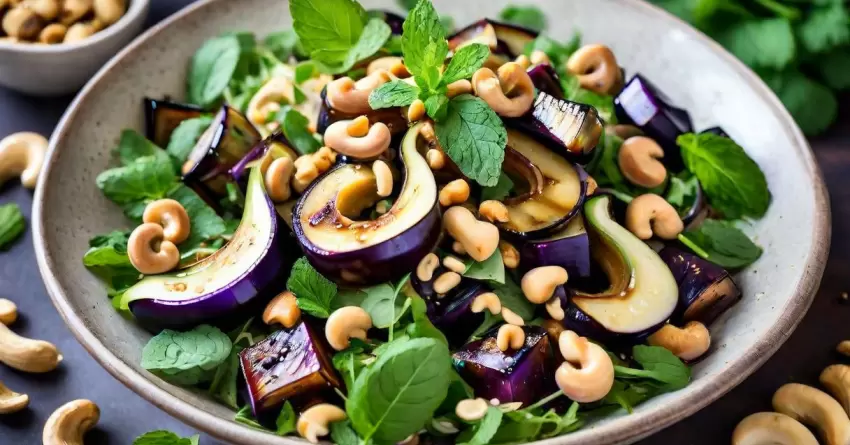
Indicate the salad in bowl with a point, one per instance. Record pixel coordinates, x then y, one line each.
372 228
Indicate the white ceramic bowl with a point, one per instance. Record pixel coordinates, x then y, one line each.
53 70
694 71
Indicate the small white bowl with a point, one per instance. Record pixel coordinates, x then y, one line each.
54 70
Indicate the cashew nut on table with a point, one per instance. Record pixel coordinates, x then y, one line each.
22 155
70 422
24 354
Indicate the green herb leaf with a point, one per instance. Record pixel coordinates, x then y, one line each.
399 393
284 44
424 44
212 68
733 183
205 222
437 106
492 269
658 364
604 104
12 224
500 191
185 136
726 245
295 128
465 62
186 358
767 43
421 326
798 92
149 177
825 28
246 417
163 437
375 34
682 192
834 67
474 138
385 304
313 292
484 431
133 146
557 52
328 29
286 420
107 258
512 298
393 94
530 17
343 434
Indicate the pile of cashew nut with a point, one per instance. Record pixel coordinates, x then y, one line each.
798 406
57 21
152 246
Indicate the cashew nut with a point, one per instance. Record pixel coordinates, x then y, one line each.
10 401
79 31
493 211
453 264
458 248
523 61
594 377
282 309
173 218
554 309
510 337
650 214
22 23
639 162
436 159
351 97
772 429
538 57
109 11
478 238
308 167
149 252
539 284
511 94
836 379
70 422
597 69
446 282
471 410
383 178
393 65
843 348
375 142
315 421
427 266
53 33
487 300
510 256
416 111
688 343
511 317
816 409
74 10
455 192
268 98
46 9
8 312
24 354
458 87
22 154
347 323
277 179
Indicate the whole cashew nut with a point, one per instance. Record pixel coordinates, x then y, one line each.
46 9
53 33
22 23
70 422
650 214
814 408
454 193
510 337
315 421
268 98
772 429
277 179
458 87
109 11
639 162
511 94
478 238
8 312
173 218
383 178
79 31
391 64
597 69
487 300
426 267
352 97
346 323
593 379
375 142
27 355
836 379
149 252
10 401
493 211
512 317
22 154
539 284
454 264
688 343
282 309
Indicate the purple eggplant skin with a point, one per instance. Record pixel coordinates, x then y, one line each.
584 325
642 104
503 39
393 118
568 250
716 130
290 364
546 80
163 116
526 375
451 313
706 290
392 19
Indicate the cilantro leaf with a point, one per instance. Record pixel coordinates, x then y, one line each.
530 17
726 245
212 68
295 128
825 28
834 67
465 62
149 177
424 44
328 29
12 224
163 437
393 94
767 43
733 182
474 138
133 146
186 358
437 106
313 292
499 191
185 136
798 93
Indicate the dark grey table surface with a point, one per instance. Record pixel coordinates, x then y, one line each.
125 415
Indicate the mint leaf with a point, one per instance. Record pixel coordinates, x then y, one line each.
733 183
437 106
393 94
133 146
205 224
212 68
422 326
286 420
395 396
492 269
530 17
284 44
185 136
465 62
474 138
726 245
163 437
343 434
825 28
499 191
12 224
107 258
313 292
424 44
186 358
834 67
375 34
383 303
328 29
767 43
484 430
295 128
149 177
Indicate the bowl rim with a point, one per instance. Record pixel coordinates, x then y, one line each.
137 8
627 429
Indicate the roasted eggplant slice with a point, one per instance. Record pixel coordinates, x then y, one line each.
288 365
525 375
451 313
502 38
163 116
354 251
569 248
545 79
393 118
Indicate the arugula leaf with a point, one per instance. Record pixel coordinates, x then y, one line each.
186 358
407 5
474 138
424 44
512 298
133 146
149 177
286 420
328 29
465 62
12 224
529 424
163 437
798 92
530 17
185 136
398 394
500 191
825 28
393 94
492 269
733 183
295 128
767 43
483 431
726 245
313 292
659 365
212 68
834 67
343 434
